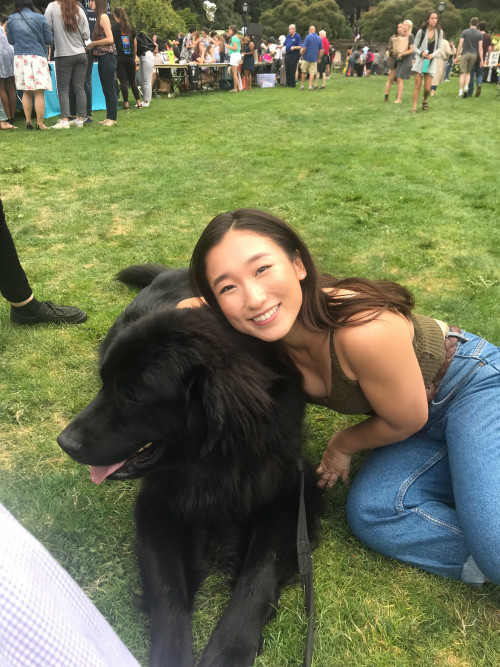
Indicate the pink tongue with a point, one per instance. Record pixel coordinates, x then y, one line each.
99 473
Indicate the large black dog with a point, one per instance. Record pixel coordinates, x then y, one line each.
212 421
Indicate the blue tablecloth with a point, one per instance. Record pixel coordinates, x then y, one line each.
52 107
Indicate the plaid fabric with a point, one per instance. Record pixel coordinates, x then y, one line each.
45 618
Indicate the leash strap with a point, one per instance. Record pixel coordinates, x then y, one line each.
306 569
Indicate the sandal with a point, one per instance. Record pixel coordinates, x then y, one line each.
42 127
9 125
425 105
108 122
414 111
29 126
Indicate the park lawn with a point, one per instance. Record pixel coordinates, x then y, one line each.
376 192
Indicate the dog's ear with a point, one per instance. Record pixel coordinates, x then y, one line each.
205 413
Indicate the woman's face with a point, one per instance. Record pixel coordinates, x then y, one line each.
92 5
406 28
433 19
256 284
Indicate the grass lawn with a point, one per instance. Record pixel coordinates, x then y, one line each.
375 191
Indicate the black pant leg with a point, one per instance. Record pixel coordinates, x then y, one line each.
14 285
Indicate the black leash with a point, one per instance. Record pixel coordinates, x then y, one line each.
306 569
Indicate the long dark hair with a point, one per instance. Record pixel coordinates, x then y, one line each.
425 23
70 12
122 17
101 7
320 311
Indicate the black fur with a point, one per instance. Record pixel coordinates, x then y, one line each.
224 413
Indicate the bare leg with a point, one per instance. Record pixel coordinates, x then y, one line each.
390 79
12 95
4 99
28 104
399 96
40 107
416 89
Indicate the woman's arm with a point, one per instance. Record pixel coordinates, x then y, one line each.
48 37
83 25
108 39
380 356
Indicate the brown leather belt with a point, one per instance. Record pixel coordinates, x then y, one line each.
450 346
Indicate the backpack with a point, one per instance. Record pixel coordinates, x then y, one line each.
144 44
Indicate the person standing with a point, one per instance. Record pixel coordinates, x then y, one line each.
469 47
324 62
71 30
441 62
30 33
396 44
449 62
234 50
352 61
104 49
427 46
248 65
126 54
403 62
477 70
8 94
311 51
145 74
293 42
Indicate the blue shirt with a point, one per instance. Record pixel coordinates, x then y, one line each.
292 41
29 36
313 46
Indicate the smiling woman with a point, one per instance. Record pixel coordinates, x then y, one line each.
361 350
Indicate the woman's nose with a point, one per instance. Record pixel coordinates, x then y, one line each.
255 295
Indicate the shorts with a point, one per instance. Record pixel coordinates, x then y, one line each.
467 62
322 64
32 73
307 67
234 59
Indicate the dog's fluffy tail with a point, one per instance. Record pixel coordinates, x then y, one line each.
140 275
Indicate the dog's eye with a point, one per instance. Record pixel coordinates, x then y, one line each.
129 396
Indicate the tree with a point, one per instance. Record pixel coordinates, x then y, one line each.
153 16
379 25
450 19
324 14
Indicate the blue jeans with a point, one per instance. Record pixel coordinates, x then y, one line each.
478 73
107 68
447 70
433 500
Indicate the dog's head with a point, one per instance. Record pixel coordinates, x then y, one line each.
177 386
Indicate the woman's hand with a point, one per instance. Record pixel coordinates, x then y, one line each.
90 46
334 465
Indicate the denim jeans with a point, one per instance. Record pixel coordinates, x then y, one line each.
433 500
107 67
478 73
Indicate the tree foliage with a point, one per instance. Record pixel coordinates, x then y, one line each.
324 14
153 16
380 24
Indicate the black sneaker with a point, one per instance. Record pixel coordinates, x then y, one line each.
465 95
49 313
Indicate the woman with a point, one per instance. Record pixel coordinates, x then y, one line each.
441 63
7 84
248 65
396 43
403 62
70 28
429 493
104 51
427 46
449 62
233 48
29 33
145 74
126 49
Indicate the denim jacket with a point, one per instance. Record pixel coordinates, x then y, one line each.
29 39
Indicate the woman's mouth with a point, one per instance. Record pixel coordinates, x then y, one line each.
266 317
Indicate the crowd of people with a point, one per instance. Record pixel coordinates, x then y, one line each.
76 37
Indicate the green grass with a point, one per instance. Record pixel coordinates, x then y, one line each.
376 192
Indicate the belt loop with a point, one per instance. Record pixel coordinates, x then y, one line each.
456 332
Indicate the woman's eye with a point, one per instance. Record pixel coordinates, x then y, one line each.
261 269
226 288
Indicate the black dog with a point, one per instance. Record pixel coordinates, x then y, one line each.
212 420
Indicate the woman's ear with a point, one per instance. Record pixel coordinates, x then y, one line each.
299 267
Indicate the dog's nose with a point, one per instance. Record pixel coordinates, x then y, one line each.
68 443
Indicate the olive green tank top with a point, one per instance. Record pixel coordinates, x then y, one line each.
346 396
